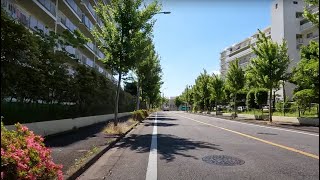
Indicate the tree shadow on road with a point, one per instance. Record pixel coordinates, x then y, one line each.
161 118
169 146
160 124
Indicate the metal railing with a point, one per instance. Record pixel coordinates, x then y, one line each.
74 7
305 26
49 5
91 9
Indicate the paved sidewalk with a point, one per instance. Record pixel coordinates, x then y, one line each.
70 147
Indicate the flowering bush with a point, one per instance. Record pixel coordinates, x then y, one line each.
24 156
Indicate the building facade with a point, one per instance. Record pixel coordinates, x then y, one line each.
287 23
61 15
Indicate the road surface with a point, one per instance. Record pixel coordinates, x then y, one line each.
178 145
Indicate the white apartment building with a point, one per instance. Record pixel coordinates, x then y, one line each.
287 23
58 16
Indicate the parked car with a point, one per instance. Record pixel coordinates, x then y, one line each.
242 108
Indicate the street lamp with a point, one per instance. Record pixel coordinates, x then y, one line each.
187 106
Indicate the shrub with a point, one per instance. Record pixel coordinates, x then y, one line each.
261 96
250 101
303 99
24 156
139 115
279 106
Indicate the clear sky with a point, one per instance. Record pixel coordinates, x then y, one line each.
191 38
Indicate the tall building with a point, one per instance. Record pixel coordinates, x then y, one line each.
58 16
287 23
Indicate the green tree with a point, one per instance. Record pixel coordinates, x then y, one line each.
178 101
123 21
303 99
218 89
270 64
202 91
306 74
312 17
235 81
250 99
131 87
261 97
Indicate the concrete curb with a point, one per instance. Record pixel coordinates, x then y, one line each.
89 163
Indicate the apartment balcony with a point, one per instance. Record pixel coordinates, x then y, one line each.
306 26
87 9
313 9
86 26
65 23
44 10
71 10
239 50
240 54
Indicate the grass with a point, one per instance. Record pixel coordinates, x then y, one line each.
121 128
82 160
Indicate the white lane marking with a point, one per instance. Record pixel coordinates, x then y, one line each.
152 163
300 132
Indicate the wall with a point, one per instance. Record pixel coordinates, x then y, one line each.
46 128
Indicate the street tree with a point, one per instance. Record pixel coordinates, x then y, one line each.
217 85
270 64
202 91
123 21
306 74
312 17
235 81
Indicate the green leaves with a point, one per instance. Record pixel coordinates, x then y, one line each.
312 17
306 74
125 23
235 77
270 65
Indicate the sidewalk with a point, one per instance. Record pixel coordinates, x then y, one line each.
287 125
73 149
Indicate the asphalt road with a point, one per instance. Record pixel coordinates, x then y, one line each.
187 146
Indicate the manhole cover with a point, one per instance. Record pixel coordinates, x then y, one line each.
223 160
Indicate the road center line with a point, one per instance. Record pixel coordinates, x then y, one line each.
152 163
258 139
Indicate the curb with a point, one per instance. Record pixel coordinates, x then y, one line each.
268 125
89 163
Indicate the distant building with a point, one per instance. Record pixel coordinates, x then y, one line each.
287 23
172 104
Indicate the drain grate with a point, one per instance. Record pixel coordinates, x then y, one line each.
223 160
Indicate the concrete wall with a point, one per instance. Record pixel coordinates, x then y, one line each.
46 128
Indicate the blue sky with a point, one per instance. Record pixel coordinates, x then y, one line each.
191 38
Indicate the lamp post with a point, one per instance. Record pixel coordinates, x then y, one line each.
138 89
187 106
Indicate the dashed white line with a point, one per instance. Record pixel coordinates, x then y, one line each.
152 163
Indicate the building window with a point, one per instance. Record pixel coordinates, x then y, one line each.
295 2
309 35
299 14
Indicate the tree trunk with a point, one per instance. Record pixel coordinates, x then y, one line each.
138 96
216 107
284 97
235 105
117 101
270 108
